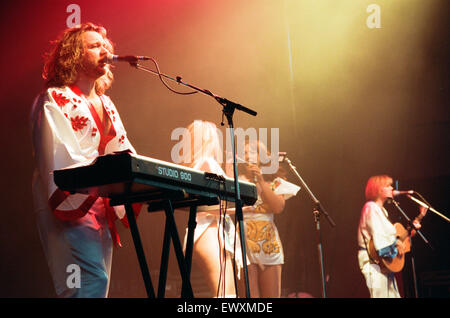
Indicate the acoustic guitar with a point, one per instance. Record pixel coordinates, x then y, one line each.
396 263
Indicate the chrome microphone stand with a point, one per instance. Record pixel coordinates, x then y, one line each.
411 227
228 110
317 211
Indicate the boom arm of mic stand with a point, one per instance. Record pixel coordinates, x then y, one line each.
410 223
428 207
316 212
226 102
317 204
223 101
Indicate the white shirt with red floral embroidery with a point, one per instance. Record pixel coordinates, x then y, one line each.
66 132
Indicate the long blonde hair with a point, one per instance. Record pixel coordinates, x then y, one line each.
204 143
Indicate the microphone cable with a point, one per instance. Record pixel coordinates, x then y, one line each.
223 206
160 75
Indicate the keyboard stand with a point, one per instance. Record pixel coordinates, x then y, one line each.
165 201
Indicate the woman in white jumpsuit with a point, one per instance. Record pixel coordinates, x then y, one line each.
374 225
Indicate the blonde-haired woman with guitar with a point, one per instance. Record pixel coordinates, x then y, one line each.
382 245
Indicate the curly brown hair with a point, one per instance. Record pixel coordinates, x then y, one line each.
63 61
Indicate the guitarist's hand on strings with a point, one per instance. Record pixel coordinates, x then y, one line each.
400 247
423 212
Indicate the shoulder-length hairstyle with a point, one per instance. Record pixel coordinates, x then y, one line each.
63 61
374 186
254 150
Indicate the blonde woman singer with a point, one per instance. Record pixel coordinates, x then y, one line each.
214 233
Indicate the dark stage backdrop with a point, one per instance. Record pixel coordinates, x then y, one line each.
355 90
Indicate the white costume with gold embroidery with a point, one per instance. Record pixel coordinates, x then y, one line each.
263 241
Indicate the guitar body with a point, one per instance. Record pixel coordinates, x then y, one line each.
395 264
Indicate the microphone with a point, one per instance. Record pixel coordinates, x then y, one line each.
111 58
396 192
281 156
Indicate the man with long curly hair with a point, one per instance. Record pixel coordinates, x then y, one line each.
73 122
